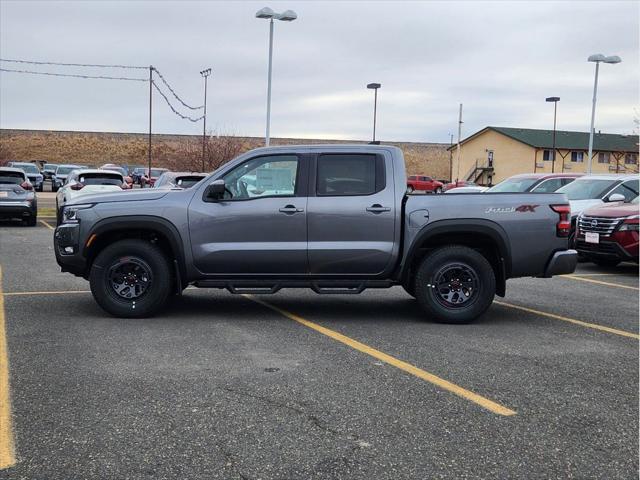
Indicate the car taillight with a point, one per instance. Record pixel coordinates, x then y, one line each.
26 186
563 227
77 186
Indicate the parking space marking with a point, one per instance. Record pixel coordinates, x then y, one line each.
594 326
599 282
46 225
60 292
406 367
7 454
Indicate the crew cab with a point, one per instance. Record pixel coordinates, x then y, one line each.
423 184
333 218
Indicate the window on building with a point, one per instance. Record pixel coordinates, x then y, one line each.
631 158
604 157
547 155
577 157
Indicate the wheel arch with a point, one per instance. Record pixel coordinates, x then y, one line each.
485 236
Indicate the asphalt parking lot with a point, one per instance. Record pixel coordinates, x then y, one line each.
545 385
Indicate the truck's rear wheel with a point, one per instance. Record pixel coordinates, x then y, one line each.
455 284
131 279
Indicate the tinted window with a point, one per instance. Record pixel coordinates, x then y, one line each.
100 179
353 174
628 189
11 178
548 186
269 176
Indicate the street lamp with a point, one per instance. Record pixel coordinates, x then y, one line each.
205 74
597 58
286 16
374 87
555 101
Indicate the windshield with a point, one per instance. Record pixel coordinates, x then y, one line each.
513 185
586 189
156 172
115 169
66 169
27 167
50 167
11 178
100 179
187 182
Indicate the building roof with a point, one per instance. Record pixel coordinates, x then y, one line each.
565 140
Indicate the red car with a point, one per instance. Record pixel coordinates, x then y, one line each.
608 234
459 183
423 183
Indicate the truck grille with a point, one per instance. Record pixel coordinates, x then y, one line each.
601 225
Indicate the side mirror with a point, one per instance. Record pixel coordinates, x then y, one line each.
616 197
216 189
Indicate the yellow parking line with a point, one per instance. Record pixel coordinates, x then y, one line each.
61 292
46 225
595 326
7 454
422 374
599 282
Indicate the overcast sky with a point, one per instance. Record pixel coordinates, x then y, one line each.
500 59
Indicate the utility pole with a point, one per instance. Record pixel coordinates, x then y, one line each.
450 158
458 148
150 109
205 74
555 101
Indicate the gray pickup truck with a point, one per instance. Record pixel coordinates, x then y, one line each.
333 218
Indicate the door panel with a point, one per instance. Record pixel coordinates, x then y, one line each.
260 226
352 233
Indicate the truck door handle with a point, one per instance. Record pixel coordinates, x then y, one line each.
291 209
377 208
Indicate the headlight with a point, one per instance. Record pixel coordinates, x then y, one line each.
70 214
628 227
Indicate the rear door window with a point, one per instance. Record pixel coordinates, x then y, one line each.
349 174
548 186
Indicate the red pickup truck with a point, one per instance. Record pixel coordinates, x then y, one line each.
423 183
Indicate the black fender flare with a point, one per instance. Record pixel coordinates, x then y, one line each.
143 222
461 226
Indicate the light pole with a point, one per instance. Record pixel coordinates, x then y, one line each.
374 87
555 101
597 58
286 16
205 74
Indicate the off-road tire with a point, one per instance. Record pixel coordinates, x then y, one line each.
439 260
152 300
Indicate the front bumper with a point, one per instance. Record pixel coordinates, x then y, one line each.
561 263
66 244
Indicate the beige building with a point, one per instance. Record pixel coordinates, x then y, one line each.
495 153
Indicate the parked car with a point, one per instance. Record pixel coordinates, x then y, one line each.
60 175
353 227
608 234
534 182
178 179
149 178
459 183
48 170
35 177
84 182
17 198
115 168
423 184
475 189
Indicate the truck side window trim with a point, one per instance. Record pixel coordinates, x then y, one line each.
380 175
300 186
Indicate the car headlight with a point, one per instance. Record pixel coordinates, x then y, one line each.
70 214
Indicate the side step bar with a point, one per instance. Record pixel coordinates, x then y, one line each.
266 287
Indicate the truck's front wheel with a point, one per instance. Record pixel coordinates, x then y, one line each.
131 279
455 284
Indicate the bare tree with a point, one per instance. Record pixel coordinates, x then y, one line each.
218 151
5 154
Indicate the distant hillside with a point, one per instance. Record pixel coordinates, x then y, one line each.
97 148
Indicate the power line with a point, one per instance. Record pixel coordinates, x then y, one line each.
32 62
101 77
174 93
174 110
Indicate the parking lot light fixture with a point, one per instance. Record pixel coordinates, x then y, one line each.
268 14
597 58
555 101
374 87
